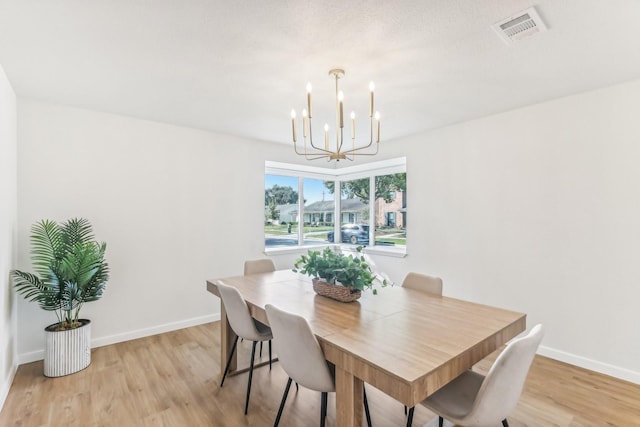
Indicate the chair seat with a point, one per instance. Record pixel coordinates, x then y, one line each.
455 401
263 330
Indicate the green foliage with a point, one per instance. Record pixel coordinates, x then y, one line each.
338 269
70 269
274 213
385 185
280 195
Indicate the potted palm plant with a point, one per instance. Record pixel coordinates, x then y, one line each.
338 276
70 270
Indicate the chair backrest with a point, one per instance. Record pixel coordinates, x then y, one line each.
501 389
424 283
256 266
238 312
298 350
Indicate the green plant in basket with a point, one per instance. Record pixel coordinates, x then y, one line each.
339 269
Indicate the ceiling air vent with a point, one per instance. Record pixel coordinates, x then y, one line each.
519 26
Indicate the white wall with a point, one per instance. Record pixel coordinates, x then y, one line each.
176 206
8 229
537 210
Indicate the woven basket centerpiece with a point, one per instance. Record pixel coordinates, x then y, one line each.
336 292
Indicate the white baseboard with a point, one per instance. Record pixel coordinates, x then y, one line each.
130 335
4 389
592 365
572 359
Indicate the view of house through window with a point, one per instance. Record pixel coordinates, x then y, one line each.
301 210
280 210
319 210
391 209
354 212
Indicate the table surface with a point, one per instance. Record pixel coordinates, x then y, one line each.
404 342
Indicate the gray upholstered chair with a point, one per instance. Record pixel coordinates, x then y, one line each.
302 358
422 283
256 266
475 400
245 327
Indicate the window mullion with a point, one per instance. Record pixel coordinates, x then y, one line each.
300 211
372 209
337 211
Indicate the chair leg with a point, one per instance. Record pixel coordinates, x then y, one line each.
505 423
405 410
260 349
366 406
253 355
269 354
284 400
440 421
323 408
410 416
226 368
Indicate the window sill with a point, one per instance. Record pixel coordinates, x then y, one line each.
371 250
294 249
385 251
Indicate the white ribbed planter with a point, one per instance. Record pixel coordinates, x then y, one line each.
67 352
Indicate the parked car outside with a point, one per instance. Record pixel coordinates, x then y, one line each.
356 234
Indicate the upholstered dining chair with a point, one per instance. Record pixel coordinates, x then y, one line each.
475 400
257 266
245 327
422 283
302 359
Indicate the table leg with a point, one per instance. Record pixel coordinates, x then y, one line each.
349 400
227 336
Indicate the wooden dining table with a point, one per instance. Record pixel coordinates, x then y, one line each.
404 342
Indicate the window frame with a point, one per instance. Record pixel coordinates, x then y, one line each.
367 170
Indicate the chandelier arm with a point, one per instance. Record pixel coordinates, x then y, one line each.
311 141
354 151
341 139
308 156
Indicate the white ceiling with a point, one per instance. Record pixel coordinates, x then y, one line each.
239 66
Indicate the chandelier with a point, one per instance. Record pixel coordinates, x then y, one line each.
335 150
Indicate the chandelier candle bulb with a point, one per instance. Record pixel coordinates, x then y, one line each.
293 124
304 123
309 98
371 88
326 136
353 125
341 99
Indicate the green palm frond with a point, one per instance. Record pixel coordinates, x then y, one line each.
47 245
28 285
70 266
81 263
33 289
76 230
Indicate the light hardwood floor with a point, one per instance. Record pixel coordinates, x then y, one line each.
172 380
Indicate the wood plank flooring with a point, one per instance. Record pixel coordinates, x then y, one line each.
172 380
